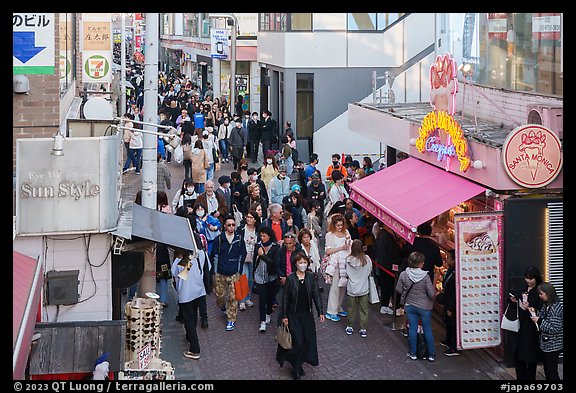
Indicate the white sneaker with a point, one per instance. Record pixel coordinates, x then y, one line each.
262 328
267 319
249 303
386 310
242 306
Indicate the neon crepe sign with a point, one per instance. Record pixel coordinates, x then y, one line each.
443 89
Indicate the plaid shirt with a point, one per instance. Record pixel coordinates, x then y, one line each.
551 327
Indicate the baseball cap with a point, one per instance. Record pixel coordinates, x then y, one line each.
314 176
295 187
282 168
205 132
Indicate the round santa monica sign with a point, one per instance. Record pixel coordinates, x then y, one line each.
532 155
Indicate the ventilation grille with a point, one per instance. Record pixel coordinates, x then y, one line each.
534 117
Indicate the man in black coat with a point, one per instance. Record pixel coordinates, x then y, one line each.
254 135
268 131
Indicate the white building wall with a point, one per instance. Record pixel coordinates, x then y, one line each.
328 21
316 50
376 49
69 252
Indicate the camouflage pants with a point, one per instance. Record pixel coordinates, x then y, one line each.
223 284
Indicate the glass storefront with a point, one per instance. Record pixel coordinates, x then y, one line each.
515 51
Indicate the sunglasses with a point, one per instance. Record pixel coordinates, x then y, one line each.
230 225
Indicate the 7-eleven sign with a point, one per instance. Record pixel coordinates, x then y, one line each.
96 67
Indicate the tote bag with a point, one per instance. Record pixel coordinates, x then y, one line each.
241 287
508 324
372 292
283 337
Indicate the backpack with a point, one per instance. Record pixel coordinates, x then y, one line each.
294 155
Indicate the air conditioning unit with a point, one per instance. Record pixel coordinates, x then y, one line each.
548 116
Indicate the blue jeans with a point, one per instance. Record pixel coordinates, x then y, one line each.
162 288
414 314
132 291
247 269
199 188
210 172
223 143
134 156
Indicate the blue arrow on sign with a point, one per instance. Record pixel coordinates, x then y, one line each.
24 45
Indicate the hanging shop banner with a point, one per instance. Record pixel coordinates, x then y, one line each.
66 45
33 44
546 26
219 43
497 25
478 241
96 47
532 155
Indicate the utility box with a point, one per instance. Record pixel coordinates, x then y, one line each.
62 287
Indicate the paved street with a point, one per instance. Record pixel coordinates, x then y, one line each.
246 354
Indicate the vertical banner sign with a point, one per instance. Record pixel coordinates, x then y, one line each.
33 44
65 42
478 241
96 47
219 43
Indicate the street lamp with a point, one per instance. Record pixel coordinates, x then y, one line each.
234 21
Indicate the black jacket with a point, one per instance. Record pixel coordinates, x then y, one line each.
281 271
449 289
254 130
271 259
290 294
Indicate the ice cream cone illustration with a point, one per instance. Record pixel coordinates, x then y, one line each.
533 144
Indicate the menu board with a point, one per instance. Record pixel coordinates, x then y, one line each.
478 278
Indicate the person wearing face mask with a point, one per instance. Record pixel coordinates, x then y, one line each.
243 169
210 144
206 225
335 167
254 135
279 186
186 196
237 142
316 192
301 290
267 132
268 171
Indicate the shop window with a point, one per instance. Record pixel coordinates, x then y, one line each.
515 51
67 43
304 106
300 22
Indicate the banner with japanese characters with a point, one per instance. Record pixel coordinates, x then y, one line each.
96 46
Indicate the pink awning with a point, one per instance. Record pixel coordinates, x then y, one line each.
410 193
27 280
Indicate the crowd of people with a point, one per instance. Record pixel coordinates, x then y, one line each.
294 232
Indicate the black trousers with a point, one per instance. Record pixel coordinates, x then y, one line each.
386 283
252 150
450 323
190 315
551 365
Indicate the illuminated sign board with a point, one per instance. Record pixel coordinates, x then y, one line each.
443 89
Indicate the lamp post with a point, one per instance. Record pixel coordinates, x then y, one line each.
231 17
123 64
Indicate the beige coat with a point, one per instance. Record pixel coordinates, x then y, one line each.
199 165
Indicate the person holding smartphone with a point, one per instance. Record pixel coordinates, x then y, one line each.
523 347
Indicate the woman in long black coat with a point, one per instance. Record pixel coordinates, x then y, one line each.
525 344
296 310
